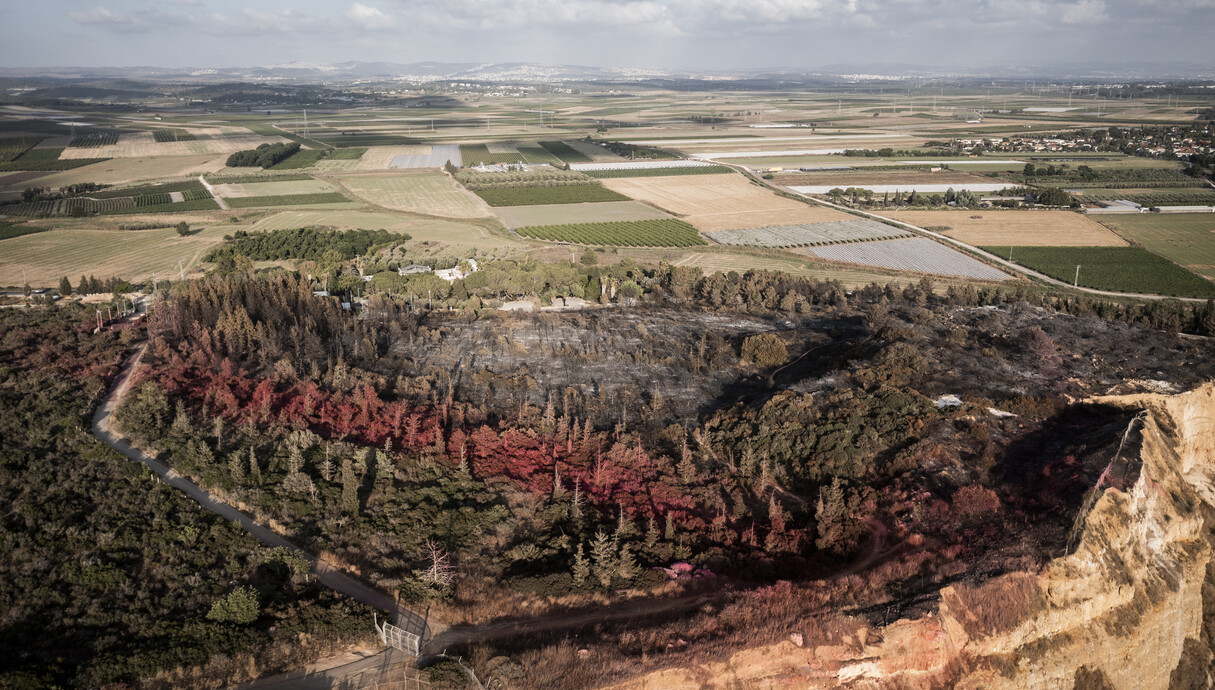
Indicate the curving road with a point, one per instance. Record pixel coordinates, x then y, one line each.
325 574
223 205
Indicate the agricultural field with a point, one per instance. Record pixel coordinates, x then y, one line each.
167 135
668 232
1184 238
145 144
668 171
287 200
536 196
724 261
860 177
916 254
79 250
1121 269
480 154
48 159
381 157
812 234
304 158
922 188
1014 227
722 202
270 187
92 140
348 154
13 147
128 170
430 193
565 152
1193 196
534 154
443 236
11 230
436 157
561 214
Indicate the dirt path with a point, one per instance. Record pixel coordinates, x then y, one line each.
223 205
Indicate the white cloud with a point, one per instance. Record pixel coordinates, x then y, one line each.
369 18
101 16
1085 12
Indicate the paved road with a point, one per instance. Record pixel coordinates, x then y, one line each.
223 205
325 574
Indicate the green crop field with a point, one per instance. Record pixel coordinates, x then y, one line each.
565 152
1122 269
667 232
1186 238
184 186
1153 197
535 196
11 230
168 135
12 147
658 172
46 159
348 154
304 158
91 140
537 155
472 154
286 200
207 204
258 177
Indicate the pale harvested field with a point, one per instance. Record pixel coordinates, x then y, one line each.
431 193
721 202
143 145
130 254
560 214
445 236
274 188
380 157
723 262
124 170
1016 228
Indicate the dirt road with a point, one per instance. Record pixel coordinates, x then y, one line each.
223 205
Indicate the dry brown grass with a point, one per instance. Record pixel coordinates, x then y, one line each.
996 606
144 145
1016 228
721 202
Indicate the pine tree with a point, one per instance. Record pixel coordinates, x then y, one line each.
558 490
603 556
384 469
830 514
669 532
581 568
576 501
255 470
687 467
626 565
350 488
65 286
236 468
651 534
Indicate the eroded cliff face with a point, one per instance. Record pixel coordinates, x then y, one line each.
1133 606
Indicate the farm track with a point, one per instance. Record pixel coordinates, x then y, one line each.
1018 268
223 205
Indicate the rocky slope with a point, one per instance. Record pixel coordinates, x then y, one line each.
1132 606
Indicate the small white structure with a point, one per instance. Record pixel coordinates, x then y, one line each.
457 273
413 269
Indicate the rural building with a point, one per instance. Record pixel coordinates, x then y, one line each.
1115 206
413 269
454 274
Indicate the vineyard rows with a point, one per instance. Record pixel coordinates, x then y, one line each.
262 177
1123 269
473 154
186 186
810 234
477 181
64 207
349 154
537 155
12 148
666 232
92 140
918 254
167 135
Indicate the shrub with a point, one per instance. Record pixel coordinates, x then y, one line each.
764 350
240 606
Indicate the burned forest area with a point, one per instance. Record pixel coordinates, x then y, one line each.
672 478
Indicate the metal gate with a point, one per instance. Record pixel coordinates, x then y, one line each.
399 638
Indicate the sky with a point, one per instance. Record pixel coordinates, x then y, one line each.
709 35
